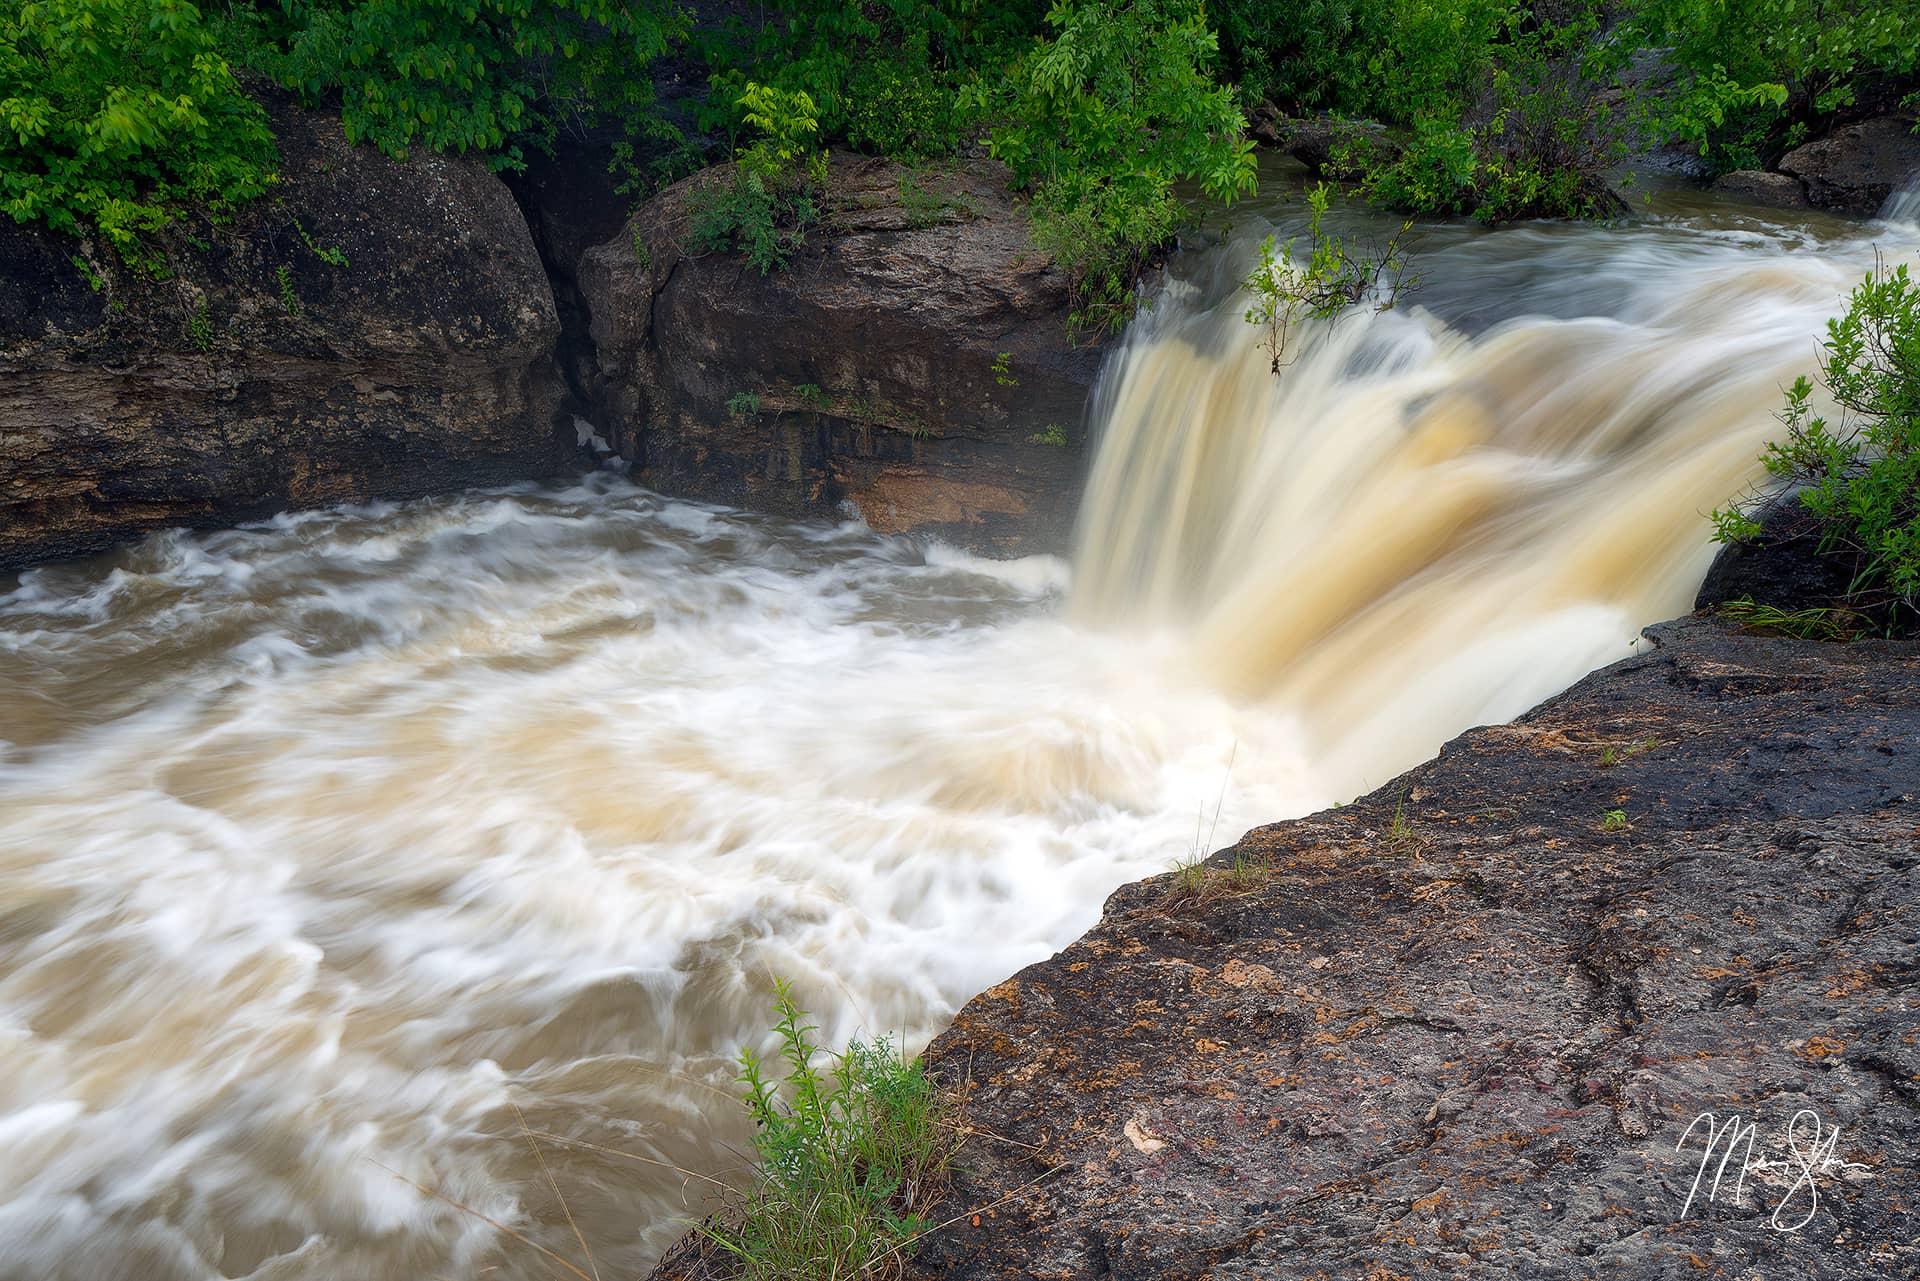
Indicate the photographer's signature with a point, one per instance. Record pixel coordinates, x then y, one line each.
1810 1148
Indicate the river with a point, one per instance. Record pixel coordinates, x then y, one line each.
341 851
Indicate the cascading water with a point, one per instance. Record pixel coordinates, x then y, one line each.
329 842
1433 517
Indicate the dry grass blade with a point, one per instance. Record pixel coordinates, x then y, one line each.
554 1183
438 1195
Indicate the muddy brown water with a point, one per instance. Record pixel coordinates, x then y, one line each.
328 842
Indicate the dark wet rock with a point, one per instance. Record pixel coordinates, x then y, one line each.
1756 186
1783 567
422 364
1858 166
874 358
1312 140
1467 1042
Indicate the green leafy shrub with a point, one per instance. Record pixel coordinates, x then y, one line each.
743 404
765 206
1536 140
894 112
885 74
115 115
1750 70
1858 477
465 75
850 1159
1334 277
1099 120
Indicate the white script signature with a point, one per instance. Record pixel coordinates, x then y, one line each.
1809 1144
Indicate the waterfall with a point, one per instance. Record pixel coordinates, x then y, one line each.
1903 206
1427 520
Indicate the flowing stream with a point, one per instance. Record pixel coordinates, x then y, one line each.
340 850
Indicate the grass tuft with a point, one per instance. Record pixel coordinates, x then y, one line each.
1802 624
851 1158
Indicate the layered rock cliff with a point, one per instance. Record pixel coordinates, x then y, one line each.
373 329
913 360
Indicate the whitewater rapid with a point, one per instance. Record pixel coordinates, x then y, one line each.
333 846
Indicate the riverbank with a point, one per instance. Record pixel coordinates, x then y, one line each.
1463 1023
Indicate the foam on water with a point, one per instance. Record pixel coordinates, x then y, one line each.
330 841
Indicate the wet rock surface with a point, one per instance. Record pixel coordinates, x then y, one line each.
1459 1026
874 360
1859 166
1757 186
257 373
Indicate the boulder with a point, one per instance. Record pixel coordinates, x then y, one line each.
372 329
1857 167
1465 1025
1782 567
1758 187
913 360
1312 140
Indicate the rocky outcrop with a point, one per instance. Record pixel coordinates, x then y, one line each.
261 371
1460 1026
1858 166
912 360
1782 566
1757 186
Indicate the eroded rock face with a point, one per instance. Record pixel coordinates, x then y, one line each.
1859 166
874 360
424 363
1468 1044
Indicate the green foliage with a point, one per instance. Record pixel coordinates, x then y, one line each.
1859 477
1613 821
1751 69
1395 60
811 396
743 404
850 1159
1100 119
464 75
765 206
200 327
884 74
1535 140
332 255
1002 370
1333 277
115 115
1052 434
289 300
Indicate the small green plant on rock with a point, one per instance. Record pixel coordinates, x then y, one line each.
1052 434
200 327
1835 624
1334 277
332 255
1402 838
811 396
1613 821
1614 753
851 1159
743 404
1002 372
289 301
